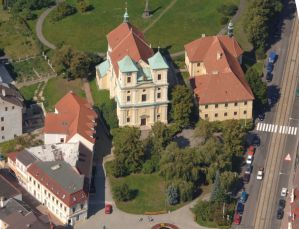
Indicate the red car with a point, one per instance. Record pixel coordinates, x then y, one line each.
237 218
108 208
251 150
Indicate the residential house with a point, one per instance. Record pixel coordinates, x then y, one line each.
136 77
217 78
74 120
11 112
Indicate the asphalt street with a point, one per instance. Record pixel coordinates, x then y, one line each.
261 207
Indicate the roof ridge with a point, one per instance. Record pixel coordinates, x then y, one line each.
121 41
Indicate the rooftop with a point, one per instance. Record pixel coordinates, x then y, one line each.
4 75
7 190
157 62
25 157
11 95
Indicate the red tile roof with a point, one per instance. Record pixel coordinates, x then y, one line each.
75 115
128 40
69 199
13 155
224 80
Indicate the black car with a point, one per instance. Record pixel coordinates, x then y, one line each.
240 208
256 141
279 214
281 203
248 169
246 177
261 117
269 76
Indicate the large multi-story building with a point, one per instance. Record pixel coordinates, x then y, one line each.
217 78
136 77
58 176
11 112
74 120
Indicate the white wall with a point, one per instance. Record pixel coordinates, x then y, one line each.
79 138
53 138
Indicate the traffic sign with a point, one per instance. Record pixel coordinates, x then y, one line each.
288 157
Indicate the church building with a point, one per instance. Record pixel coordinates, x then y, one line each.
136 77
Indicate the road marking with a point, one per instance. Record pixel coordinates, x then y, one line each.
283 129
290 128
258 126
274 128
295 131
280 127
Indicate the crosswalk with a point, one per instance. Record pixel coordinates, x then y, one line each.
266 127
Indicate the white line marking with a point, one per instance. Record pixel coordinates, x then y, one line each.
266 126
292 131
290 128
262 126
275 130
283 128
272 128
295 132
258 126
280 127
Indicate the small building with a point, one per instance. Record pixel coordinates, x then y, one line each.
5 77
217 79
15 214
8 191
74 120
11 112
136 77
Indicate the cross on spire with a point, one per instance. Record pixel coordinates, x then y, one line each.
126 15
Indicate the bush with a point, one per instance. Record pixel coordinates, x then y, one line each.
227 9
63 10
149 167
109 113
122 193
224 20
2 53
83 6
172 195
260 53
118 169
186 191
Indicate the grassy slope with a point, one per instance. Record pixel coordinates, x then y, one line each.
57 87
28 91
186 21
99 96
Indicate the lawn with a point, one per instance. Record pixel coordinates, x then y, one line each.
185 21
17 39
28 91
145 185
57 87
99 96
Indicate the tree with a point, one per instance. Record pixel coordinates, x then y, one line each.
218 194
172 195
79 66
62 59
62 10
259 88
82 6
2 53
182 103
227 180
122 192
108 110
203 129
128 148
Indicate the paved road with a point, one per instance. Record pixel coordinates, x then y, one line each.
260 209
39 28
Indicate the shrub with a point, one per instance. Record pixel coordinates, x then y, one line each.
224 20
186 191
83 6
149 167
109 113
122 192
172 195
118 169
227 9
63 10
260 53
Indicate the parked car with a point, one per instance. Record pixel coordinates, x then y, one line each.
237 218
246 177
269 76
272 57
243 197
279 214
261 117
249 159
260 174
240 208
284 192
256 141
281 203
108 208
269 67
251 148
248 169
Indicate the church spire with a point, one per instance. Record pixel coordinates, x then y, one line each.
126 15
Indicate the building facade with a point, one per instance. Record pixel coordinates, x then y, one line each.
136 77
11 112
217 79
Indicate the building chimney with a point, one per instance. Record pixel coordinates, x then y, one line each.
3 92
219 55
2 199
203 35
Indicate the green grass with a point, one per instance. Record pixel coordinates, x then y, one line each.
99 96
185 21
17 41
28 91
57 87
145 185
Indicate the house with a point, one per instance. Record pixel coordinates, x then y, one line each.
55 175
16 214
74 120
8 191
136 77
217 79
11 112
5 77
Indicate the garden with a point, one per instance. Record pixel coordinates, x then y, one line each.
202 17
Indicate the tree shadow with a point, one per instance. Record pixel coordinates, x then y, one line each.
273 95
181 141
133 193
